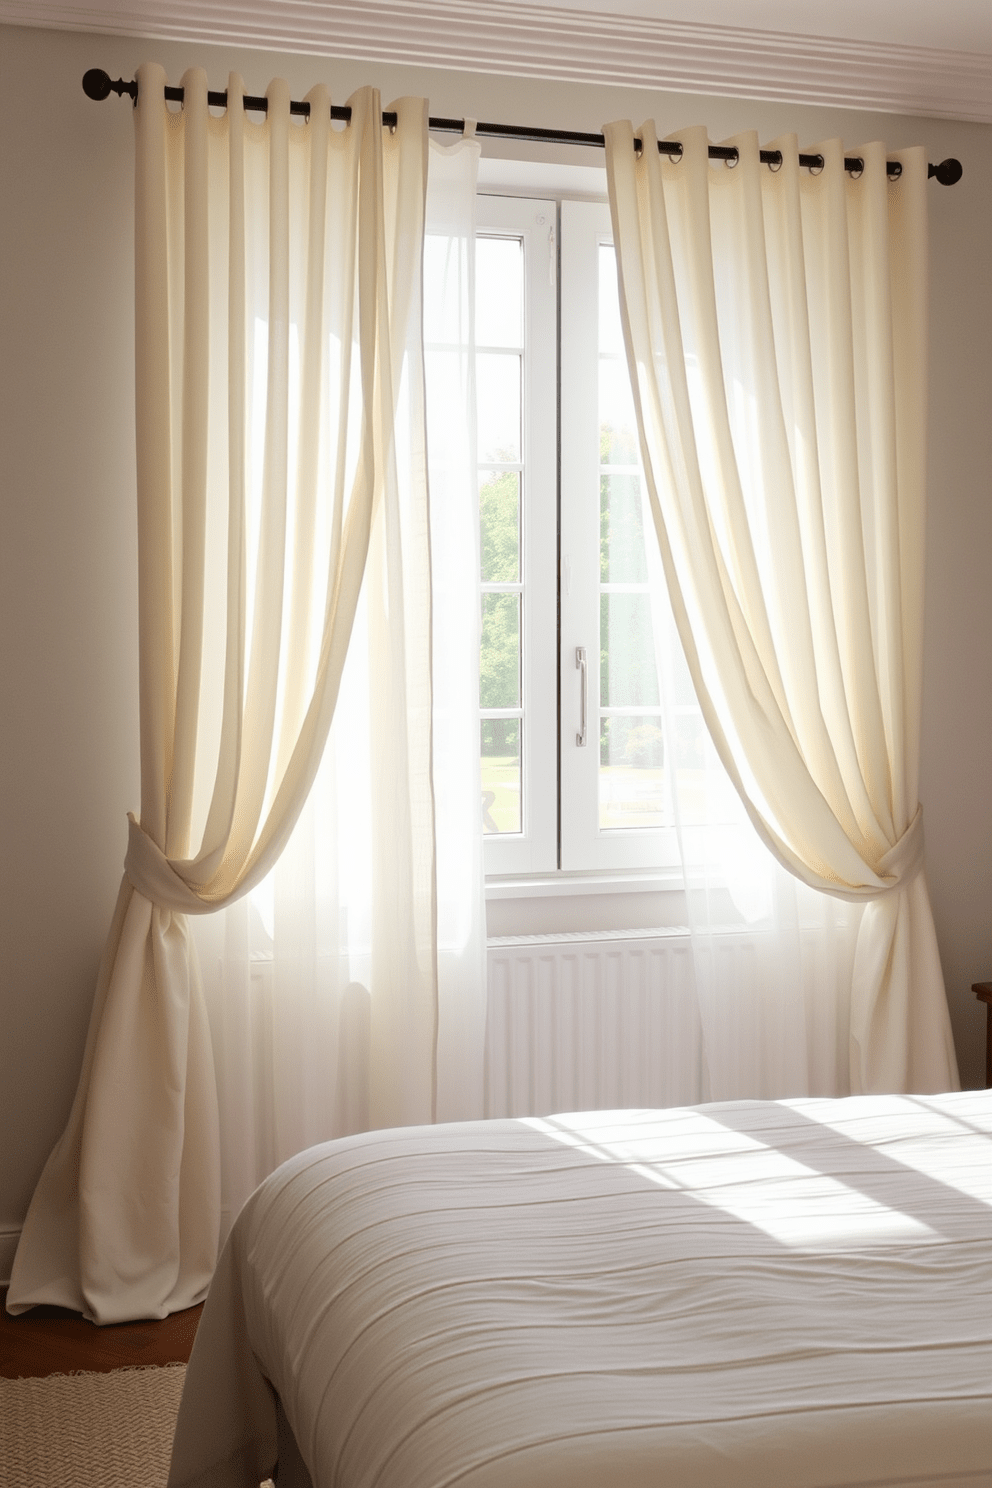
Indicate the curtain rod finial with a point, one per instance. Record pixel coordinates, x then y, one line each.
97 85
948 172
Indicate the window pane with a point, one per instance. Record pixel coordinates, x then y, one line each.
610 328
498 385
617 423
501 775
628 674
499 671
499 511
621 530
631 773
499 267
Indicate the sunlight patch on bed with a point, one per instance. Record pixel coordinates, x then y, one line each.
915 1132
751 1180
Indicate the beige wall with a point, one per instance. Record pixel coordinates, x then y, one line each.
68 771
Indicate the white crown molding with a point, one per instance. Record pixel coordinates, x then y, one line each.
513 39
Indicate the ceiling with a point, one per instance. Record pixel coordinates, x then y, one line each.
899 56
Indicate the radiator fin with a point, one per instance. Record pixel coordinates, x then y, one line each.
591 1023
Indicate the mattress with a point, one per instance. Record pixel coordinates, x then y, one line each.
757 1293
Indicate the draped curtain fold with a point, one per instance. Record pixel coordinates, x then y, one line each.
775 329
281 463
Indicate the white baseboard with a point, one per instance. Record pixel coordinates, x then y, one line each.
8 1245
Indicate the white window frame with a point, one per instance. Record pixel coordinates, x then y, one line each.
561 848
534 850
585 226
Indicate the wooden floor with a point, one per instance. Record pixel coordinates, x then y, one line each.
50 1340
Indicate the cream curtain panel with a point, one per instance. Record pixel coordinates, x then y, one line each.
776 333
280 462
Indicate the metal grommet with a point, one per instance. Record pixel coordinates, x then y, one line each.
675 158
733 164
775 165
817 170
858 171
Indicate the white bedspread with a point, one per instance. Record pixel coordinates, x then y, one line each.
760 1294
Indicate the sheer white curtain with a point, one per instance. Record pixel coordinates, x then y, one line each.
306 979
449 338
772 959
280 445
775 326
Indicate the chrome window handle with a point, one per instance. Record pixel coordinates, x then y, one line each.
580 663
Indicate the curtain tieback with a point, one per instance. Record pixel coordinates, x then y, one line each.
902 863
153 875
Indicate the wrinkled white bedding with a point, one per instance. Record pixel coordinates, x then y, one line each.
760 1294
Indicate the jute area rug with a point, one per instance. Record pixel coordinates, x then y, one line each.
89 1430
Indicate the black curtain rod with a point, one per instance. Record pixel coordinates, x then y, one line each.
97 85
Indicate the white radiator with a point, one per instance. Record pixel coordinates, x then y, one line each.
591 1021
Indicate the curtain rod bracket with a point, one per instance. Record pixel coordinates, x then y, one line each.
97 85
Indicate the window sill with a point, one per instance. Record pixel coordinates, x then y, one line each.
587 937
571 885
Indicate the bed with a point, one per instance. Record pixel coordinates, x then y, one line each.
787 1293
